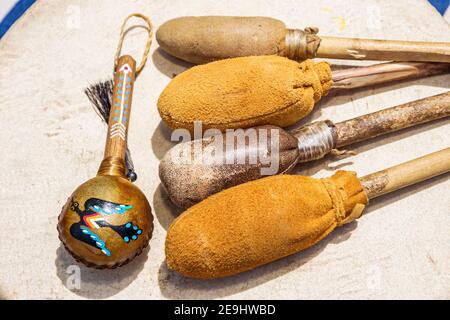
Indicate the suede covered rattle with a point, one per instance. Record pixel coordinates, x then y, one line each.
251 91
255 223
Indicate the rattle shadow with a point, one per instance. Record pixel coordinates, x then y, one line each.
164 210
160 140
168 64
312 167
97 283
314 115
176 286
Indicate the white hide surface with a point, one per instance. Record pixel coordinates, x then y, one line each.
52 141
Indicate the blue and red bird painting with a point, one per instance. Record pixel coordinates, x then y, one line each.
94 216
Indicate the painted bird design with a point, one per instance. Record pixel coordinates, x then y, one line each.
95 216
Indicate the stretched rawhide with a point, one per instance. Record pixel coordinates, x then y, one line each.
266 90
208 38
107 221
192 171
255 223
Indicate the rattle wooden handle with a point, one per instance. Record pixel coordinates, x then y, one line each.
392 119
119 118
209 38
405 174
385 72
367 49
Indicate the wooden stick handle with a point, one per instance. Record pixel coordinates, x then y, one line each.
392 119
209 38
367 49
116 140
405 174
385 72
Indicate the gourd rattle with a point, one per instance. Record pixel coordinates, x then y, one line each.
209 38
226 160
252 224
266 90
107 221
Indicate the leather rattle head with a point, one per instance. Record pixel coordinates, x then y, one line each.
244 92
